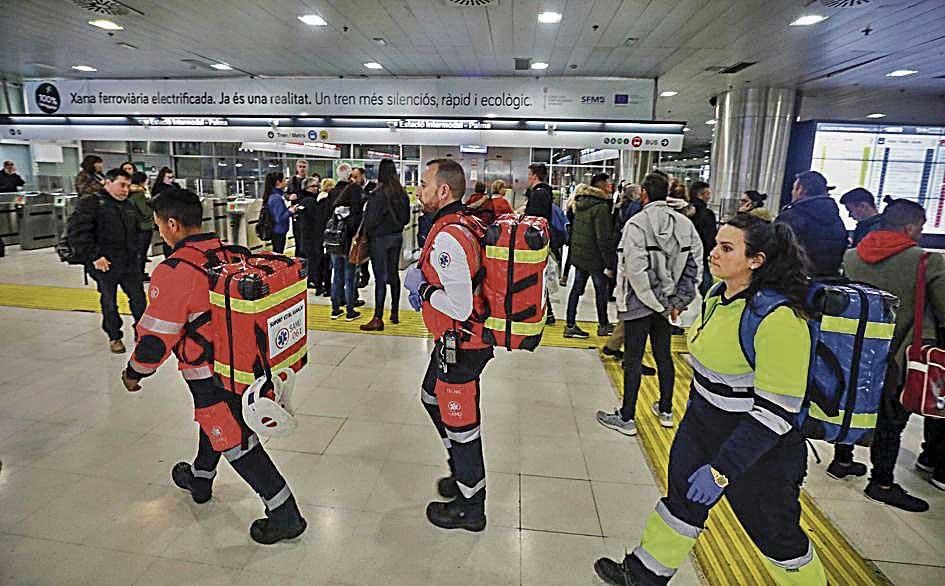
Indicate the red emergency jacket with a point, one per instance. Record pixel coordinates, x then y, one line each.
452 254
178 315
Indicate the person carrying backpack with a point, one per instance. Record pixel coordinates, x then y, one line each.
888 258
738 436
441 288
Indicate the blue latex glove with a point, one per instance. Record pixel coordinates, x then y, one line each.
413 279
416 302
702 486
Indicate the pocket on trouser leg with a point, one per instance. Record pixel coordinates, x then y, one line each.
220 426
457 403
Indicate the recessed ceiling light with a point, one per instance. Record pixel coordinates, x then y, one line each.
221 66
539 65
106 24
668 94
808 19
374 65
876 115
710 122
549 17
901 73
313 20
84 68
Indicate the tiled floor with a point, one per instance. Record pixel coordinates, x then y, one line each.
85 493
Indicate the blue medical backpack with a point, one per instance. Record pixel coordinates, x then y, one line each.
851 335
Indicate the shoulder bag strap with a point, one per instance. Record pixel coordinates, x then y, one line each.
916 349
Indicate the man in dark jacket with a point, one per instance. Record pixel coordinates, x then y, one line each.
815 219
293 192
539 199
861 205
10 180
706 225
104 231
313 217
350 205
593 252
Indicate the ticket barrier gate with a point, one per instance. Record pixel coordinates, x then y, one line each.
242 215
11 210
63 208
38 223
214 215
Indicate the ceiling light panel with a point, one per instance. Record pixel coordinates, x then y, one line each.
539 65
313 20
668 94
106 24
808 20
221 66
373 65
87 68
549 17
901 73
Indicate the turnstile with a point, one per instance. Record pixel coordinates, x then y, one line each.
63 207
242 215
11 210
38 223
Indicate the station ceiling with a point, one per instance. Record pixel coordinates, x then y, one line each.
840 64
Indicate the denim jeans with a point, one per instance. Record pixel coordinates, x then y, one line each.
385 260
342 284
108 283
601 291
660 332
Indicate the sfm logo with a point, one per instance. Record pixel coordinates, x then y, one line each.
593 100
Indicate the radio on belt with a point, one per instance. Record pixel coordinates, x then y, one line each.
259 306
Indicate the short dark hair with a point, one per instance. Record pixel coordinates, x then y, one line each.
540 170
599 179
900 213
662 174
656 186
180 204
813 182
114 174
697 188
858 195
139 178
451 173
480 187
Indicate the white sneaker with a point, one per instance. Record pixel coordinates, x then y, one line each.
666 419
615 421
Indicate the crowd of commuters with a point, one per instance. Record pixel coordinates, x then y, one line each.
655 251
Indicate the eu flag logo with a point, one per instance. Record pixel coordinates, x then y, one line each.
621 99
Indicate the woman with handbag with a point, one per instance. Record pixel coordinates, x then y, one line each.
388 211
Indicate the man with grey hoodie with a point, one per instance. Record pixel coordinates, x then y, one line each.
658 272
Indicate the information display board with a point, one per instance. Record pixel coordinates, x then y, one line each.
900 161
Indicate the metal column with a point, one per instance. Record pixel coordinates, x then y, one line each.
750 143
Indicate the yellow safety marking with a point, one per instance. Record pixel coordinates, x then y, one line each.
244 306
523 256
846 325
518 328
247 378
724 552
861 420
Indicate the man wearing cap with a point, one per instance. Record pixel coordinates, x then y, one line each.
815 218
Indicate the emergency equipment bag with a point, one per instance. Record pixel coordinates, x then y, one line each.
851 334
515 258
924 391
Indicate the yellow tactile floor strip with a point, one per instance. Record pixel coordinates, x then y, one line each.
724 536
724 551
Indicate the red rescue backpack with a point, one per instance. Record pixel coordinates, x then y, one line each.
258 309
515 255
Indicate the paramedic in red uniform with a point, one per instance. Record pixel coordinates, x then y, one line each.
177 320
441 287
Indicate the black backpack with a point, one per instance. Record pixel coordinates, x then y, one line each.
67 252
264 224
336 234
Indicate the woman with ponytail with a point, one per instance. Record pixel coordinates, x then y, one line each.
738 435
753 203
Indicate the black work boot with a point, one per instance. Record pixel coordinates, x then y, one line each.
285 522
457 514
615 574
200 489
446 487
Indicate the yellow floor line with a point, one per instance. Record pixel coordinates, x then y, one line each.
319 316
724 551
